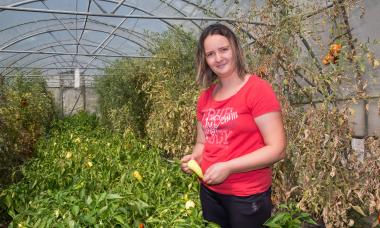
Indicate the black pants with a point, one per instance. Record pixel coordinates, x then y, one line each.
235 211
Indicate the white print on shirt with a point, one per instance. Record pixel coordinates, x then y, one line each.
212 119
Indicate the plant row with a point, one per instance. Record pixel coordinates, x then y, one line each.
26 109
84 175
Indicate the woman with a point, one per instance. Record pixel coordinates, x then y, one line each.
240 134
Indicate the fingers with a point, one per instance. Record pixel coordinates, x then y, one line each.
216 174
185 159
207 178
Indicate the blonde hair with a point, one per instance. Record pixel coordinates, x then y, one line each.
205 76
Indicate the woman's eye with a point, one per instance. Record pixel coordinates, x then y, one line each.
224 49
209 54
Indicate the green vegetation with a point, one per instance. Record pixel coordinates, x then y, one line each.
84 175
154 98
289 217
26 109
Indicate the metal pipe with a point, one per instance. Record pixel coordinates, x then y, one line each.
53 68
131 16
79 54
108 39
26 65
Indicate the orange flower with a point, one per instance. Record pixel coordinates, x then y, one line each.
141 225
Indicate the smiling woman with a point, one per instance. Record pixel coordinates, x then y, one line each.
240 134
219 55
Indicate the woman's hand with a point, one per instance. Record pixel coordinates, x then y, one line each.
185 159
216 173
197 150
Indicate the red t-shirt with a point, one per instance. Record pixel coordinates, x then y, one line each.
231 132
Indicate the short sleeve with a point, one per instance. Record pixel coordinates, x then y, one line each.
262 99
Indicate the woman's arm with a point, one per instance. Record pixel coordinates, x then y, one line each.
197 150
272 130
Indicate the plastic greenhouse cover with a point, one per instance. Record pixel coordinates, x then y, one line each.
65 34
57 36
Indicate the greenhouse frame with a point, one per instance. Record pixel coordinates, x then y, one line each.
130 64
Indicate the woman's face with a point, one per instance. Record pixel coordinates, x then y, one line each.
219 55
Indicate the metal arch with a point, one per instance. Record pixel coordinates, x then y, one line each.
123 5
149 17
48 31
85 20
54 44
178 11
192 19
55 30
51 63
90 43
163 19
130 32
64 62
134 33
118 5
63 25
107 40
52 68
65 53
50 56
84 27
178 18
127 5
215 14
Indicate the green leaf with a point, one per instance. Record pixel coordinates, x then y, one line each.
310 221
114 196
75 210
37 223
102 197
8 201
89 219
120 219
280 218
122 178
70 223
88 200
102 210
359 210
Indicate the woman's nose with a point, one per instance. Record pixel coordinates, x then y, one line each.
218 57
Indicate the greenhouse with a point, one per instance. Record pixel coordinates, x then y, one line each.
99 106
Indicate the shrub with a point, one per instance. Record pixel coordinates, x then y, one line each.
154 98
122 101
26 108
172 93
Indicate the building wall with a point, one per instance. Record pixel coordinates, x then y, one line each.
69 99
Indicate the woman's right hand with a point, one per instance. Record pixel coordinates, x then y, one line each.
185 159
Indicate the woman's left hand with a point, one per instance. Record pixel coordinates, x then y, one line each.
216 173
